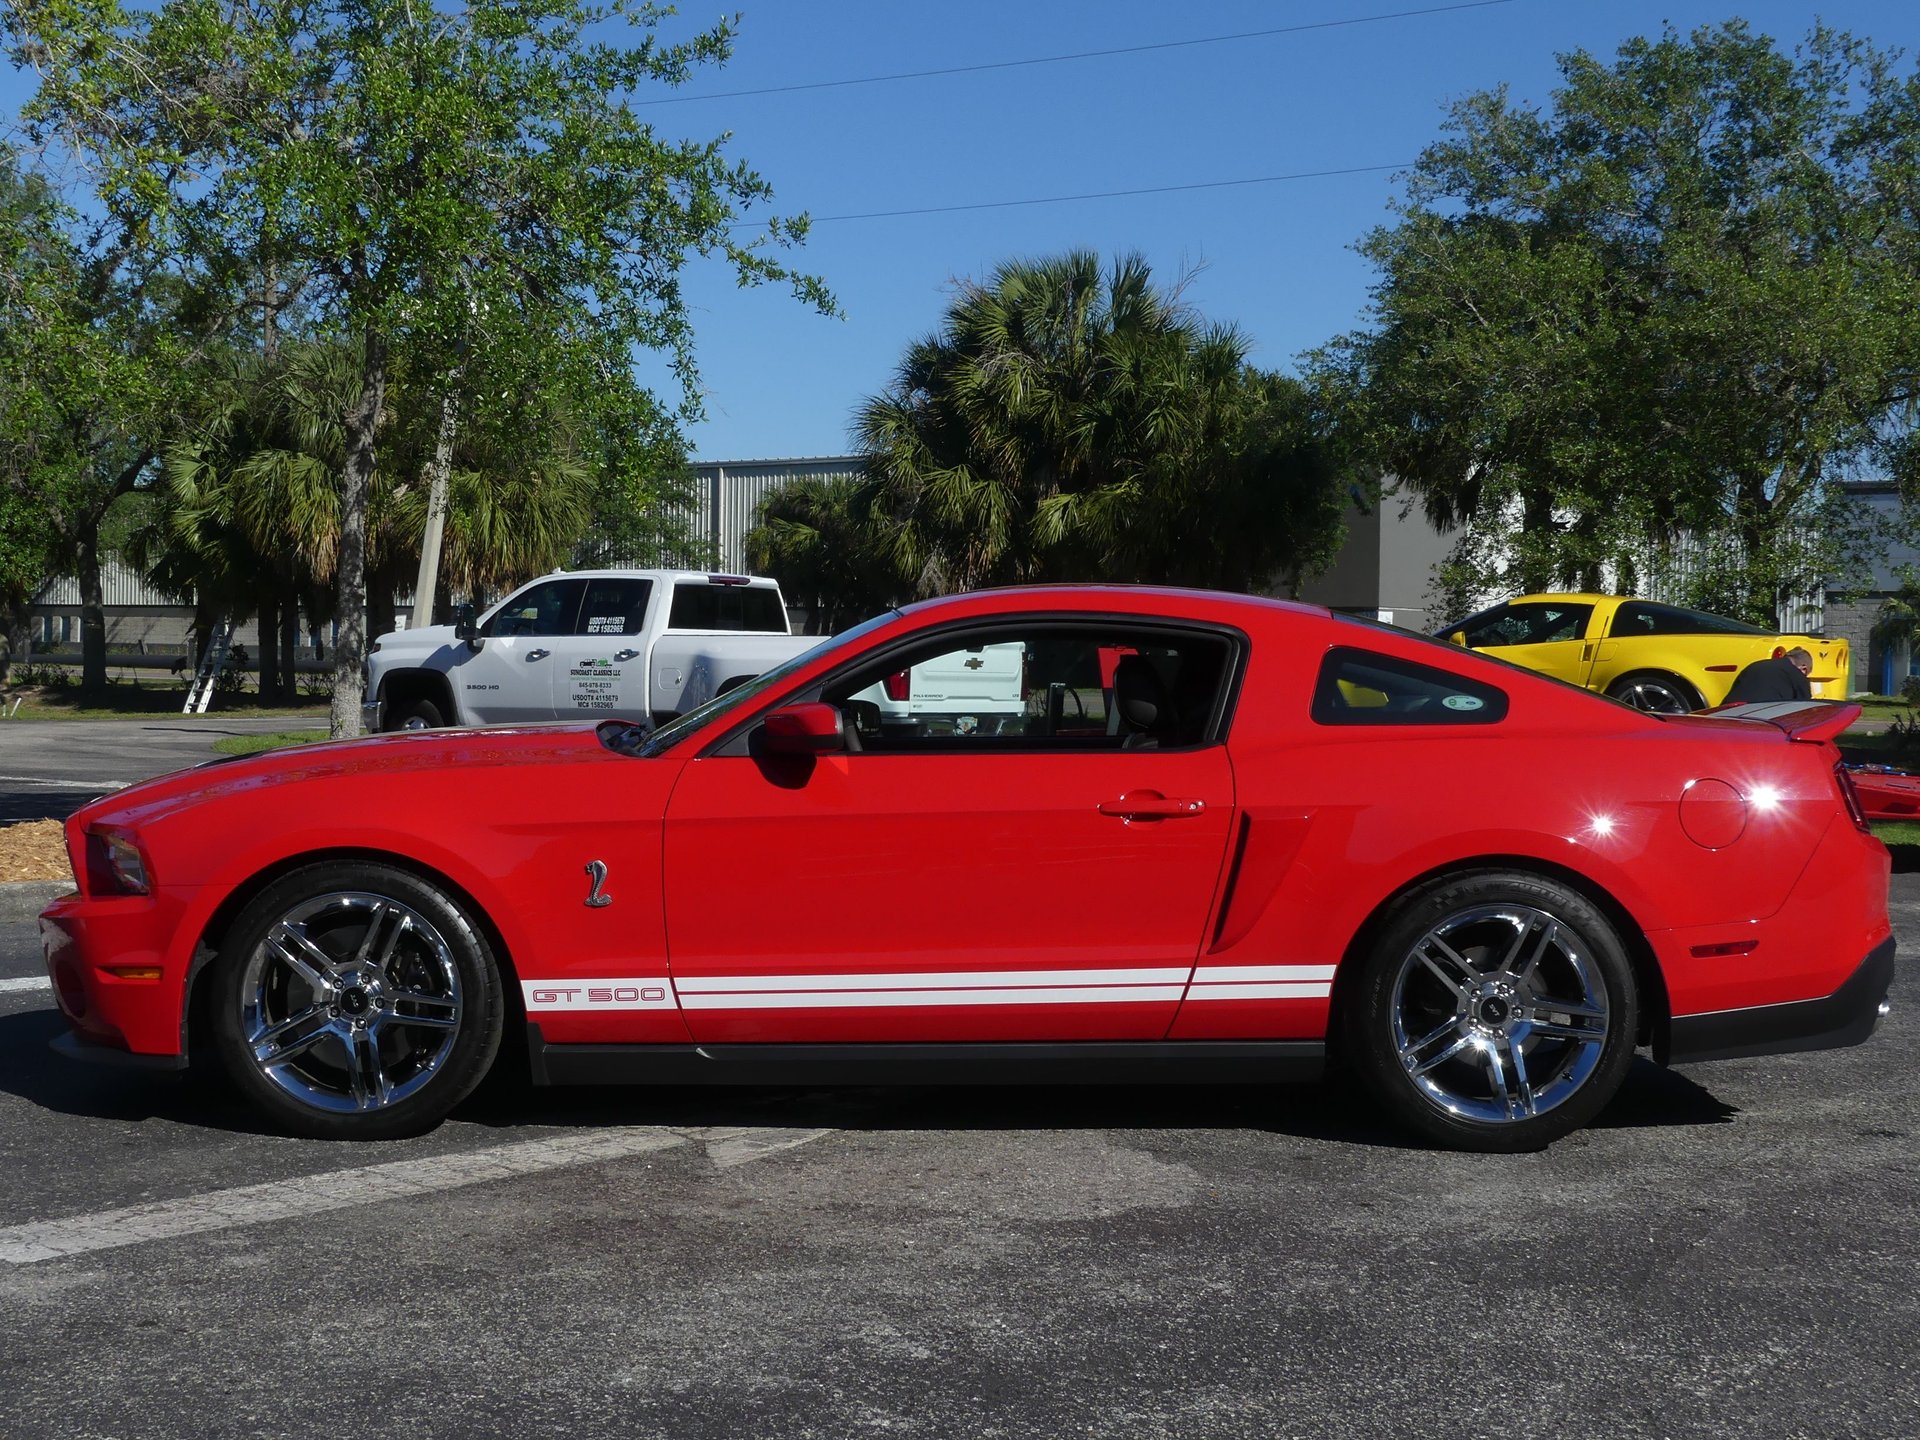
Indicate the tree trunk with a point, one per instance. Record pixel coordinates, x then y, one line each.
427 581
19 636
269 655
289 643
350 584
93 610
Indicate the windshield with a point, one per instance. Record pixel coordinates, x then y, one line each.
678 729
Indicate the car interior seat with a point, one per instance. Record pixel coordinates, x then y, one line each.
1143 706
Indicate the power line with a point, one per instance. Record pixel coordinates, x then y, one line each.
1095 195
1076 55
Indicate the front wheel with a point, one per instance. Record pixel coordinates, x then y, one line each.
1496 1012
356 1001
416 715
1656 693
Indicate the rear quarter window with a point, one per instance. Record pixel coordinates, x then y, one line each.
1363 687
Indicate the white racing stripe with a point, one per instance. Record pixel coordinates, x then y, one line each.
866 999
1247 974
295 1199
932 980
1259 992
25 982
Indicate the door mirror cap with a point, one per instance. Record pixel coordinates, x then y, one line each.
811 729
464 628
1458 637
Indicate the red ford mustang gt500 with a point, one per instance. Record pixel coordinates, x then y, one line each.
1226 836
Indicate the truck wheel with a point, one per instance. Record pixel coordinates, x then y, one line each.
415 715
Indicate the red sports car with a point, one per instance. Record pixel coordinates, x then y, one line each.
1224 836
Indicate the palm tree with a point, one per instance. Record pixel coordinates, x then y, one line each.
1070 423
812 537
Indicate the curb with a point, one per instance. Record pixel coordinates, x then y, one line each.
25 899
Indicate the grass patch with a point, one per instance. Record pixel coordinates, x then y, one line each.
1898 832
279 740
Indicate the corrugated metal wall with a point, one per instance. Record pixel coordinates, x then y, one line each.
120 586
730 492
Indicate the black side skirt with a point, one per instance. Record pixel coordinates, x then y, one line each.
1086 1063
1846 1017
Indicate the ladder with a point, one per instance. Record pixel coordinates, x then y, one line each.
200 693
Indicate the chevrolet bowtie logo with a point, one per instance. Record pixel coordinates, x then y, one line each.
975 663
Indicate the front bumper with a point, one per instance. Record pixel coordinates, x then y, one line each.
1846 1017
89 945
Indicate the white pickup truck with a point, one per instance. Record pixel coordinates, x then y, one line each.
585 644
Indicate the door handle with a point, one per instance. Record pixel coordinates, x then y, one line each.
625 654
538 654
1151 807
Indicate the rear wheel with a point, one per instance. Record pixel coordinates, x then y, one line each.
1496 1012
354 1001
1653 691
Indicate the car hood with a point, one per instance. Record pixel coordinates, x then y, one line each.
565 743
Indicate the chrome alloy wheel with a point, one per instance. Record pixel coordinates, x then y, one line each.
1657 697
1499 1014
350 1002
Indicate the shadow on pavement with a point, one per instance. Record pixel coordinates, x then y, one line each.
1331 1111
42 803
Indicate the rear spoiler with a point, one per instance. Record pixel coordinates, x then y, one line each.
1813 721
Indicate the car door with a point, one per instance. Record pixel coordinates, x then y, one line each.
599 671
1049 882
509 679
1551 636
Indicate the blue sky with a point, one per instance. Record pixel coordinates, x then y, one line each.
1275 259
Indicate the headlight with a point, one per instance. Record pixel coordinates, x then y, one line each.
115 865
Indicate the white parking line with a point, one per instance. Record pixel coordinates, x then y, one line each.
315 1194
25 982
58 784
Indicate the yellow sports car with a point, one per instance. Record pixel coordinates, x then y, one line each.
1652 656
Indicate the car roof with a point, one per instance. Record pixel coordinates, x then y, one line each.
1121 599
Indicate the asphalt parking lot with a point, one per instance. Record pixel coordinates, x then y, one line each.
1731 1251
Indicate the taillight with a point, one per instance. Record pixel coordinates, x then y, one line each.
898 685
1851 796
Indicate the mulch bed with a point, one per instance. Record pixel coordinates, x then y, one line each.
35 850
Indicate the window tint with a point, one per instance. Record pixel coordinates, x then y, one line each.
614 607
1042 687
1359 687
698 606
544 610
1643 617
1536 622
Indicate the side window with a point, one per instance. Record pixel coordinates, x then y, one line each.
614 607
544 610
1644 617
697 606
1534 623
1359 687
1042 688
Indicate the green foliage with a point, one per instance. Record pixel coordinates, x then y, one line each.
1070 424
455 191
813 537
1681 302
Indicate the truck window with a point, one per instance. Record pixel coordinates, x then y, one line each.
545 609
697 606
614 607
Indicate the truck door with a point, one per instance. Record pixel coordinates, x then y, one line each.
599 670
508 680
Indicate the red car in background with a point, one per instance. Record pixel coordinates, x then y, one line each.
1227 836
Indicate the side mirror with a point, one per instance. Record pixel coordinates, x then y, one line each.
1458 637
811 729
464 628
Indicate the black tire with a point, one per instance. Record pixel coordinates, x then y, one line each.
1656 692
418 714
355 959
1494 1011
